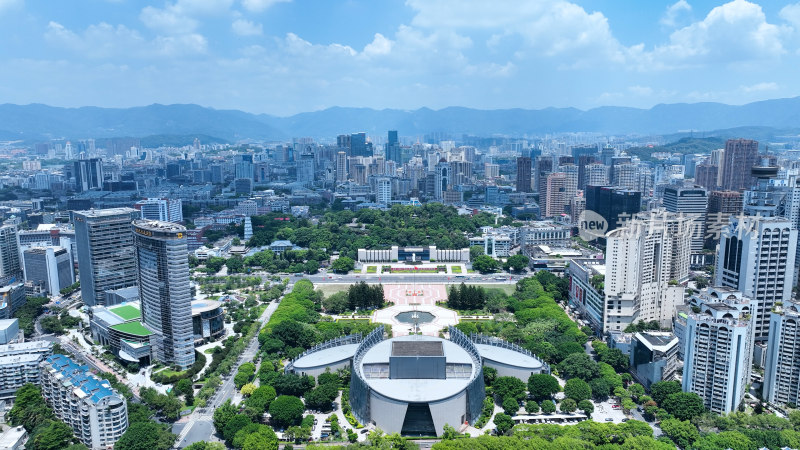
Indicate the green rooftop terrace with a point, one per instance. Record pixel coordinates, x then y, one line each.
127 312
134 328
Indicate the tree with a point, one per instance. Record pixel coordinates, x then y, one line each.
542 386
485 264
568 405
30 409
548 407
336 303
248 389
579 365
343 265
146 436
183 387
233 426
586 406
449 433
684 405
322 397
489 375
531 407
503 423
286 410
235 264
636 390
616 359
222 415
203 445
505 387
517 263
660 390
577 389
510 406
601 389
55 436
681 432
732 440
475 251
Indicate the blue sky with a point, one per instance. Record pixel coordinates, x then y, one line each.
284 57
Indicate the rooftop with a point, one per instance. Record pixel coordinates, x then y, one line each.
199 306
411 348
157 225
660 341
134 328
126 311
106 212
86 385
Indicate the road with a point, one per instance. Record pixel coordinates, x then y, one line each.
407 278
200 424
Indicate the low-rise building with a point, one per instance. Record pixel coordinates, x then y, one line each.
120 327
543 233
208 321
13 439
97 414
12 298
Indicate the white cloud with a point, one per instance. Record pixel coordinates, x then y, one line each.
760 87
244 27
379 46
734 32
258 6
675 13
104 41
167 20
641 90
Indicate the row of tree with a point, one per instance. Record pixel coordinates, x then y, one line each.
463 297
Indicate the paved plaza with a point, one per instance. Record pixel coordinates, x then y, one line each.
415 297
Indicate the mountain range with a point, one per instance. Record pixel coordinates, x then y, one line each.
37 122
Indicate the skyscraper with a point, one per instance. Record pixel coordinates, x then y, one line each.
718 348
556 199
721 206
163 209
162 262
88 174
706 175
442 180
383 194
756 256
10 266
524 174
358 145
105 252
739 157
393 152
594 174
692 202
782 369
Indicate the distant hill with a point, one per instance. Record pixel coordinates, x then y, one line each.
36 121
685 146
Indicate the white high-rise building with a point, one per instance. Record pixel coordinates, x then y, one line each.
383 194
646 260
248 228
756 256
50 268
626 176
163 209
692 202
718 348
782 368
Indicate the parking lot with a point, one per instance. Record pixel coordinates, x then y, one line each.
605 410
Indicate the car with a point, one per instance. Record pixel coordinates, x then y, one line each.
615 406
625 419
609 419
364 431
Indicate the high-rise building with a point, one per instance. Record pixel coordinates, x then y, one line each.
613 204
646 260
693 203
88 174
359 146
105 252
706 175
305 168
163 209
50 268
570 172
782 368
626 176
595 174
721 206
556 198
718 348
19 364
383 194
96 412
393 150
491 170
10 267
524 174
544 167
12 298
756 256
341 167
442 179
248 228
162 260
739 157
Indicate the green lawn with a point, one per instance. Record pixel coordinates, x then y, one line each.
353 320
455 269
134 328
372 269
508 289
330 289
127 312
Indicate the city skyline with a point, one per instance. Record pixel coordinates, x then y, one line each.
286 57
